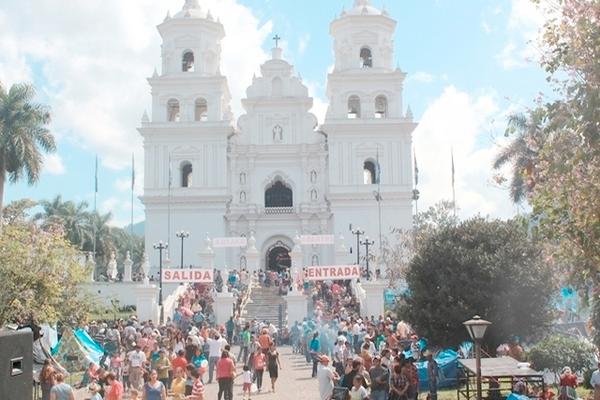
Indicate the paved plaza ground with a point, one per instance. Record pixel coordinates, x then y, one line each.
294 381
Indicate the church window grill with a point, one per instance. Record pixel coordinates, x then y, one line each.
186 174
242 178
187 61
313 176
279 195
173 114
369 173
366 57
200 110
381 107
353 107
313 195
242 197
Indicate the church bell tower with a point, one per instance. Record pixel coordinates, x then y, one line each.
369 132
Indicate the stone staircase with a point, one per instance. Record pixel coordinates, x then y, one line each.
264 305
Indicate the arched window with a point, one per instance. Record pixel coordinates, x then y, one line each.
366 57
381 107
354 107
369 173
173 110
277 87
200 110
186 174
279 195
187 61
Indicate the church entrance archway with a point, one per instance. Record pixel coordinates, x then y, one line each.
278 257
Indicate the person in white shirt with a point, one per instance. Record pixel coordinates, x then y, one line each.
358 392
215 348
326 377
136 359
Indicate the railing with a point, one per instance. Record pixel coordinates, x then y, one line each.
279 210
171 302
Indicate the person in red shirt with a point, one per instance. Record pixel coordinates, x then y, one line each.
225 375
259 363
568 384
115 392
180 361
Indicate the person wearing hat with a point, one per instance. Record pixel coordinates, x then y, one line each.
136 359
94 389
326 377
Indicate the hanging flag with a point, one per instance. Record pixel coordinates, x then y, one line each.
416 170
96 176
132 171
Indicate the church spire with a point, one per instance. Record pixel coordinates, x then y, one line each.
190 4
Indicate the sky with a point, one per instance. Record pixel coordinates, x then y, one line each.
469 65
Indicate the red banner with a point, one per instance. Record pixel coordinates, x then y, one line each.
333 272
187 276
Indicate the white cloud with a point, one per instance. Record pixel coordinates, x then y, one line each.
95 59
421 76
303 44
459 121
53 164
524 23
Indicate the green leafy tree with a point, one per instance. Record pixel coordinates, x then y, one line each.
23 135
18 211
488 268
40 276
558 351
564 177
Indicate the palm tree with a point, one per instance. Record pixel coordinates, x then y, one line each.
23 132
74 218
522 153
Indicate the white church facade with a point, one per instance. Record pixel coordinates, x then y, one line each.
275 172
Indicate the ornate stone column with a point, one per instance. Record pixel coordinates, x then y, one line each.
297 261
252 255
127 264
223 306
373 298
147 303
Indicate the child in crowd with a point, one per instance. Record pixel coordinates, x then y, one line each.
94 389
358 392
247 378
134 394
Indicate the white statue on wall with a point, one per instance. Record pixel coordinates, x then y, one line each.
145 268
111 268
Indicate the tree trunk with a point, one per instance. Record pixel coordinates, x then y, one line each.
2 181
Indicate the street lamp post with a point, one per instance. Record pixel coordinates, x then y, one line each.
182 235
160 246
358 233
476 328
367 243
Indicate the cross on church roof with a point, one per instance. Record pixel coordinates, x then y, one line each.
276 38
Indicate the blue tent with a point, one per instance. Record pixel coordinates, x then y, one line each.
447 369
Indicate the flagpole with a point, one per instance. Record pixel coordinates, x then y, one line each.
169 200
132 195
453 188
95 210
